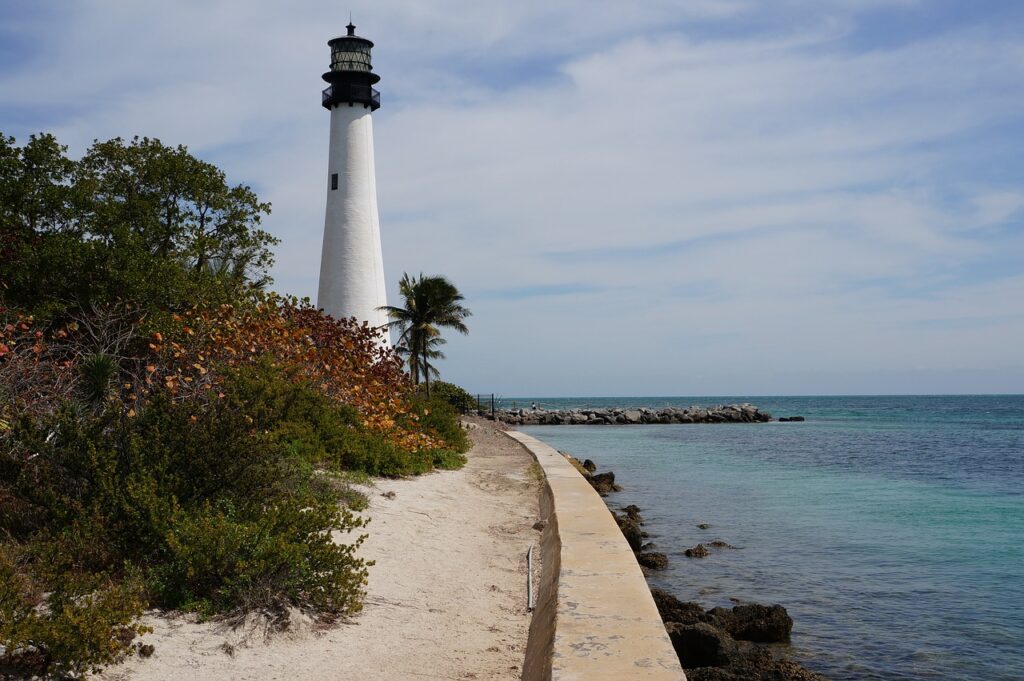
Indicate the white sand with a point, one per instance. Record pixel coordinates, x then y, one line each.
446 599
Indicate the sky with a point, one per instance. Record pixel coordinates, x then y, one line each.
668 197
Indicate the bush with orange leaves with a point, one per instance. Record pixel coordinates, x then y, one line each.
349 362
158 448
182 459
187 351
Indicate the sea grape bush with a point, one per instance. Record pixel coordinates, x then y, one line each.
222 504
344 359
170 434
437 415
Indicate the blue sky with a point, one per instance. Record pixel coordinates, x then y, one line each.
665 198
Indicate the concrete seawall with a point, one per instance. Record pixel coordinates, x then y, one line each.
595 618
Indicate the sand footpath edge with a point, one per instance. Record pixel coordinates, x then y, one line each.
446 598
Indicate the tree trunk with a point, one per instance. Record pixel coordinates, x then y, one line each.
426 370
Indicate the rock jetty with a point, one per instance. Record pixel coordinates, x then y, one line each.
726 413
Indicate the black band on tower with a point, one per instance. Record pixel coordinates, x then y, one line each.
351 75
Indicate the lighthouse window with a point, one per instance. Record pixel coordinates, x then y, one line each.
349 57
334 181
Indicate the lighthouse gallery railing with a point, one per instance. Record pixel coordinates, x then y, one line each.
350 93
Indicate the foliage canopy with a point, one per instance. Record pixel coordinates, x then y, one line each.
429 304
136 220
170 434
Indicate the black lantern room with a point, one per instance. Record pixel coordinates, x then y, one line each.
351 75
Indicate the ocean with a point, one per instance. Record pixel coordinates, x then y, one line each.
890 527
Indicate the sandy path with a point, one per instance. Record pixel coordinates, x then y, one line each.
446 599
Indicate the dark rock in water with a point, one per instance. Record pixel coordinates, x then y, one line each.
604 483
589 465
633 512
704 526
698 551
653 560
754 622
631 531
719 544
649 546
754 664
788 419
701 645
672 609
708 650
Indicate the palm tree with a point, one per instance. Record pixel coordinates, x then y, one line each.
417 366
430 303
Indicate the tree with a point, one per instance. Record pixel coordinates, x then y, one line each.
430 304
136 221
419 362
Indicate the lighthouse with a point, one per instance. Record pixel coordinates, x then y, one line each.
352 264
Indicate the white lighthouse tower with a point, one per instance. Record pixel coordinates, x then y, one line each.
352 266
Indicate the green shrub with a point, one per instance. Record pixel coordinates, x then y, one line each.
453 394
285 556
436 414
227 503
215 506
272 396
314 428
98 374
117 482
80 624
448 460
374 454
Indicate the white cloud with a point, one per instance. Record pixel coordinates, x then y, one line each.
756 210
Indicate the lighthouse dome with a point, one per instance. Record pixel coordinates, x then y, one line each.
350 52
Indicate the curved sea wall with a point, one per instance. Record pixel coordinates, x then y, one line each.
725 413
595 618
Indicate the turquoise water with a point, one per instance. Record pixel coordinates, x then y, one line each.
890 527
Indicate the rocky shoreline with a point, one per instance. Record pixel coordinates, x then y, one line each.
723 413
719 644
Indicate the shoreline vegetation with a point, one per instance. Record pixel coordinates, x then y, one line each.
444 598
173 435
719 644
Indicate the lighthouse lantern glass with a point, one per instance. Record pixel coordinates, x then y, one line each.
350 57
